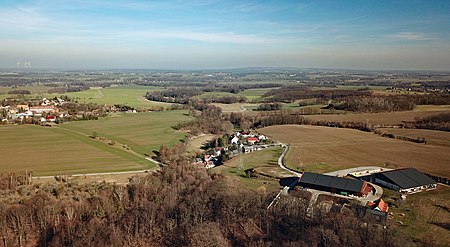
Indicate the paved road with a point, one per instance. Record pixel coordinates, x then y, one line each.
281 161
283 191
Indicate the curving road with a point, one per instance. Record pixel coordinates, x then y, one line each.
243 108
281 160
315 193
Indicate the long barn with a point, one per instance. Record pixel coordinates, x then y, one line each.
407 180
338 185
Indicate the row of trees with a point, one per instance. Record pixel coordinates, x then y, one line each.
376 104
173 95
68 89
269 107
19 91
434 122
296 92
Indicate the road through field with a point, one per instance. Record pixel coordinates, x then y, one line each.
325 149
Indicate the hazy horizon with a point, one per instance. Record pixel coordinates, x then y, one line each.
210 34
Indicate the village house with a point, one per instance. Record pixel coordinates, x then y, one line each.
262 137
50 118
234 140
252 140
379 205
43 109
22 108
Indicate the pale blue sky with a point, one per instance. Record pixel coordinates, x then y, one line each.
225 34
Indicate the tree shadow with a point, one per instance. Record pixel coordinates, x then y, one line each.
446 226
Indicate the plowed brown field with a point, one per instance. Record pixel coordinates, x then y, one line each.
323 149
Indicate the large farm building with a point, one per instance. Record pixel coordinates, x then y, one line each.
338 185
407 180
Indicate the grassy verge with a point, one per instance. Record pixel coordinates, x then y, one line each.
416 214
266 158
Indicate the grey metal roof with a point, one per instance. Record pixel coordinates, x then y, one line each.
345 184
407 178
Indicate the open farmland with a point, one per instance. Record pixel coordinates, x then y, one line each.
128 95
433 137
68 147
142 132
195 145
34 90
255 94
324 149
236 107
387 118
51 151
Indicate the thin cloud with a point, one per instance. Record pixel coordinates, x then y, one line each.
409 36
212 37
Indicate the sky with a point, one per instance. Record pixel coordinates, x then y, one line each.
213 34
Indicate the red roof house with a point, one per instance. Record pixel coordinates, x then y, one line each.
50 118
379 206
252 140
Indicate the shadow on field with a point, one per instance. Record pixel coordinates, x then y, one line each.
446 226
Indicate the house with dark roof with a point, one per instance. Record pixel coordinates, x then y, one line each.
338 185
407 180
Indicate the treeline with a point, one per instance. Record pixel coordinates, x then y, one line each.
19 91
435 122
68 89
285 117
431 99
211 86
376 104
75 107
291 93
403 138
210 121
173 95
269 107
179 206
225 99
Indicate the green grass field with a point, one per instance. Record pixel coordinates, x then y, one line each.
255 94
266 158
51 151
142 132
68 147
129 95
416 213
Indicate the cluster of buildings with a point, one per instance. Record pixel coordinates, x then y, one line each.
48 108
239 142
407 180
360 184
249 139
45 111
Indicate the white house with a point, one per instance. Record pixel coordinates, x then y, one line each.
262 137
234 140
